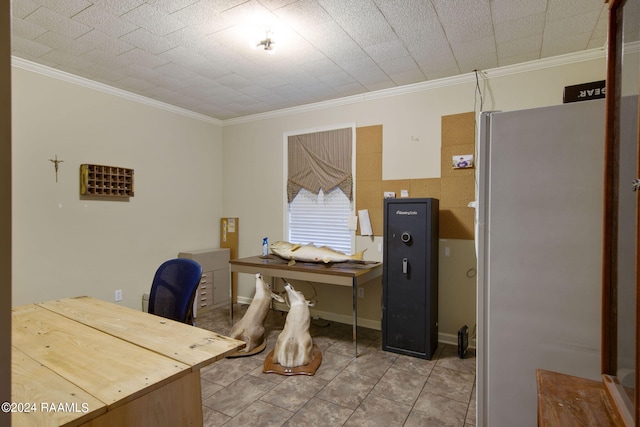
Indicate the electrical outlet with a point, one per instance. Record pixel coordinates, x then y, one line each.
360 292
118 296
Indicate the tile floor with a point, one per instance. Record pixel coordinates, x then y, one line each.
377 388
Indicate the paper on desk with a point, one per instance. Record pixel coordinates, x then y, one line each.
365 223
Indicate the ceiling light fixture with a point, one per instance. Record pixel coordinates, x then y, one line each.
268 42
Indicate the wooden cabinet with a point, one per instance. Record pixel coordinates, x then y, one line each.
214 290
565 400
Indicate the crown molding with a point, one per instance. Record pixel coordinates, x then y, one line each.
525 67
354 99
551 62
101 87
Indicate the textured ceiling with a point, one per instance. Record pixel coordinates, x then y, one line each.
197 54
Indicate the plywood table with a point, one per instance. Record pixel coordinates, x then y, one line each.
83 361
341 274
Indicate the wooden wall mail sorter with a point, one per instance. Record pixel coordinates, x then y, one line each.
105 181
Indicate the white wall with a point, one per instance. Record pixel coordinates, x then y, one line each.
254 188
64 246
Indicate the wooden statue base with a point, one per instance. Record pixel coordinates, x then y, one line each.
242 353
310 369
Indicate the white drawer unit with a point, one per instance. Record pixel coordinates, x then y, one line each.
213 291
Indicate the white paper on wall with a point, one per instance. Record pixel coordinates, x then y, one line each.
365 223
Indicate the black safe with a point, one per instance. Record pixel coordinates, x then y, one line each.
410 277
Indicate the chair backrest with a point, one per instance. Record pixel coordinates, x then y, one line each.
174 289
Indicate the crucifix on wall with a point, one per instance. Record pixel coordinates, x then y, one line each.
56 164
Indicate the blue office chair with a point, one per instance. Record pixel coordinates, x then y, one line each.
174 289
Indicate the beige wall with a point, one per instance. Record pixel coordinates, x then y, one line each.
191 172
254 186
64 246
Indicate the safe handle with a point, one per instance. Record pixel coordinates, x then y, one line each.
404 265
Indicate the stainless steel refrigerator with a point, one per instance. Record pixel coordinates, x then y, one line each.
539 246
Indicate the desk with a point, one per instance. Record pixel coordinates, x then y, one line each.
565 400
341 274
83 361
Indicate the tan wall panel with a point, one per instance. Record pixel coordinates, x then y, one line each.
396 185
456 223
369 175
369 140
368 163
428 187
369 166
457 192
368 194
376 216
458 185
458 129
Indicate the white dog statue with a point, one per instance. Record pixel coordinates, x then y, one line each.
250 328
294 346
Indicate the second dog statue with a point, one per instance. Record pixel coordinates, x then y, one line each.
250 328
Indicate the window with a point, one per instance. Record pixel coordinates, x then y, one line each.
320 188
321 219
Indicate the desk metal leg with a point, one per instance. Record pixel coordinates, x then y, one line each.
355 317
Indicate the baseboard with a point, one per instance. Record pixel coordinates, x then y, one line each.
443 338
453 340
341 318
326 315
244 300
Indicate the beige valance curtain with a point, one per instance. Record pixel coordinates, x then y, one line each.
320 160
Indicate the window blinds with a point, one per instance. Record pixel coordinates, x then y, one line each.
321 219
